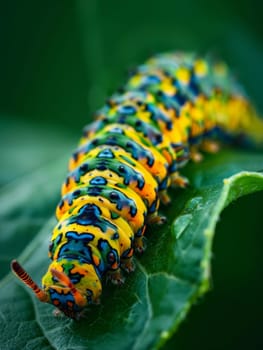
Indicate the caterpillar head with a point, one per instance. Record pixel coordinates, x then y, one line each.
59 290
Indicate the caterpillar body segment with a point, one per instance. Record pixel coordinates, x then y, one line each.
172 108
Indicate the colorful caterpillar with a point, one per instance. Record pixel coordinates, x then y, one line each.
172 107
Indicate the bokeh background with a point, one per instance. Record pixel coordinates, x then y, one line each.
60 60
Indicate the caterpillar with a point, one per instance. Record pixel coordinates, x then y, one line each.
173 108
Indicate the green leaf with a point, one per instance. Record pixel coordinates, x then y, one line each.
170 276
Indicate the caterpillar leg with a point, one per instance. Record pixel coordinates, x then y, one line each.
195 155
57 313
210 146
140 244
128 265
178 180
164 197
154 219
115 277
96 301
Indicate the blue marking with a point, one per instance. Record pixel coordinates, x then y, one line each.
117 130
152 79
88 215
128 110
115 236
133 211
103 246
74 249
163 184
98 180
139 233
106 153
75 194
140 182
83 236
173 167
152 208
94 191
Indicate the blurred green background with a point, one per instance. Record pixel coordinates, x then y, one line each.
61 59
